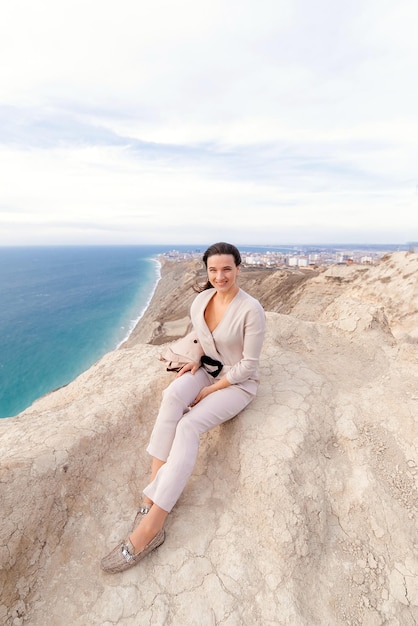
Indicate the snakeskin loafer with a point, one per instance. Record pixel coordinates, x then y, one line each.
123 556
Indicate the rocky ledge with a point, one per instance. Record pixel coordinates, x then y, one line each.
301 511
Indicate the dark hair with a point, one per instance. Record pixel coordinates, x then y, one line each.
222 248
219 248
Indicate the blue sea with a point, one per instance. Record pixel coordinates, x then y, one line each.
62 308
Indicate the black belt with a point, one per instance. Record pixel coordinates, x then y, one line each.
207 362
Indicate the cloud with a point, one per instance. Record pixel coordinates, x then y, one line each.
161 120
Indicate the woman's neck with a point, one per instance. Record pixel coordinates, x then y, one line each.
226 298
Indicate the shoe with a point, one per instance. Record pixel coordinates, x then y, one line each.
123 556
144 509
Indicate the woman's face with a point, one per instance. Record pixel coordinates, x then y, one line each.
222 272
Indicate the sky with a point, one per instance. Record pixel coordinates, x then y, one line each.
252 121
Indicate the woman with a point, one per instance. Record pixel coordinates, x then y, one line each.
230 325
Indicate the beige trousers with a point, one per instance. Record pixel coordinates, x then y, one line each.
176 434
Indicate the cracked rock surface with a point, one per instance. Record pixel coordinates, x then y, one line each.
301 511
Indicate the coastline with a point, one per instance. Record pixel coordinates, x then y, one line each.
134 323
167 315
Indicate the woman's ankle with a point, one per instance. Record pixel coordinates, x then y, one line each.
143 534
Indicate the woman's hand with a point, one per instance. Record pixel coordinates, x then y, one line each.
222 383
205 391
189 367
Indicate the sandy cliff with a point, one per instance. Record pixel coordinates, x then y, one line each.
301 511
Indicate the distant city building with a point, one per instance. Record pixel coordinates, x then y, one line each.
253 260
344 258
314 258
304 257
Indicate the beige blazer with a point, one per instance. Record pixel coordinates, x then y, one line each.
237 339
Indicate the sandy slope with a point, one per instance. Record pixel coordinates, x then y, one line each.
301 511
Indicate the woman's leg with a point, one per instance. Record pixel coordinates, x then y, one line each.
172 477
150 526
176 401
